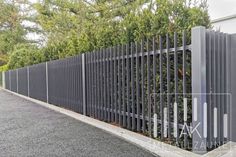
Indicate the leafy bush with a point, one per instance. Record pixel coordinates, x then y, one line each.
3 68
23 55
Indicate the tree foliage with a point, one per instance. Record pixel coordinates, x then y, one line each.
71 27
11 31
24 55
15 18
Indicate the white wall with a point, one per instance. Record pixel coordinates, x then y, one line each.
221 8
228 26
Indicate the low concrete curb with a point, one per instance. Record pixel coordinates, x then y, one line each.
154 146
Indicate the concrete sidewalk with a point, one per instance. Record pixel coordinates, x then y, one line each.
28 129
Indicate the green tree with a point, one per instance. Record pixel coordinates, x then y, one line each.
74 27
11 31
71 27
24 55
15 24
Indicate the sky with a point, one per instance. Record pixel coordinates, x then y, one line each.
221 8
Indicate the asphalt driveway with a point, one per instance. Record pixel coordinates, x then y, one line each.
28 129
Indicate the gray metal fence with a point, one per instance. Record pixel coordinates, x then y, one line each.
1 80
37 82
126 84
164 87
65 83
23 81
13 79
8 82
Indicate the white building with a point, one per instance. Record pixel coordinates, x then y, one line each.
226 24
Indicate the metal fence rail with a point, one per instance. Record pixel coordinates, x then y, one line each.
156 86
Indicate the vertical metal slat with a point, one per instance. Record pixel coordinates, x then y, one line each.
161 88
137 87
132 86
142 85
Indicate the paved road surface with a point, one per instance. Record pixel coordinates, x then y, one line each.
28 129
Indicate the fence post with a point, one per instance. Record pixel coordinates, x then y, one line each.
84 83
198 60
17 82
28 84
232 85
47 80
